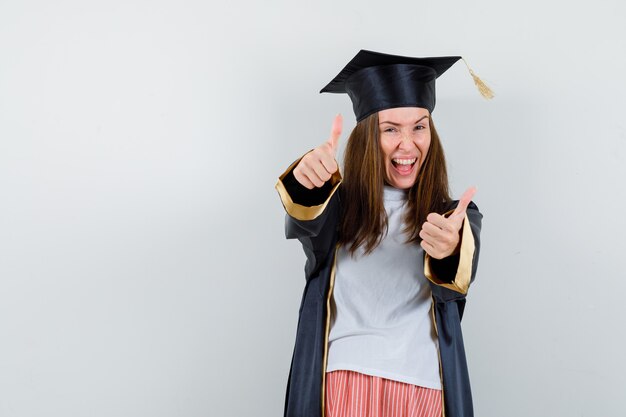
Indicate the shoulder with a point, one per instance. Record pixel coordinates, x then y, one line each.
451 205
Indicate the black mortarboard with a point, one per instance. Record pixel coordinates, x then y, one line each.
376 81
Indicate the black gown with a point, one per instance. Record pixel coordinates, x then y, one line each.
312 218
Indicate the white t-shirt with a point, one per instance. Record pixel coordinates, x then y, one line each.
381 322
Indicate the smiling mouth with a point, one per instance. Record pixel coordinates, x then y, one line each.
403 163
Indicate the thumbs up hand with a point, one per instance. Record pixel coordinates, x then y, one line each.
441 235
317 166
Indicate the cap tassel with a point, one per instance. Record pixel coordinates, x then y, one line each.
483 88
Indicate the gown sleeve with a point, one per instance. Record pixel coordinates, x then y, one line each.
457 272
312 216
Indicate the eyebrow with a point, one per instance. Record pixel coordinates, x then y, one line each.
398 124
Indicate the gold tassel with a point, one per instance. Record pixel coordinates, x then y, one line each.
484 90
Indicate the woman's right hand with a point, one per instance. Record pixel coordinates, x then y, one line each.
317 166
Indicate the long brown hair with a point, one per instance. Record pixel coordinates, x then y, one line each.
363 218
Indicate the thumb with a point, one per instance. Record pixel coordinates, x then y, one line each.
335 132
464 201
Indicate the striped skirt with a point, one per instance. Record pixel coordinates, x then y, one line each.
352 394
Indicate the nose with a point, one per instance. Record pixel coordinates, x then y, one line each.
406 141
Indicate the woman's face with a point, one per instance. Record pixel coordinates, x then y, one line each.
404 140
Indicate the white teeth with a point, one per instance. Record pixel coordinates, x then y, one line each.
404 161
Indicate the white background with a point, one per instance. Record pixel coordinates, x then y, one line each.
143 266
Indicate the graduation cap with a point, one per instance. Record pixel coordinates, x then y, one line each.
376 81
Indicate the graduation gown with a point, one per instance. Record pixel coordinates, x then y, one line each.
312 217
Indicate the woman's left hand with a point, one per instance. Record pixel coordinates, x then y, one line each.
441 235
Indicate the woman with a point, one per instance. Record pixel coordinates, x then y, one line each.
389 255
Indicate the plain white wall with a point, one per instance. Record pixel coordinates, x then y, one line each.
143 266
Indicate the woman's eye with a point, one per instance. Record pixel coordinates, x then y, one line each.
389 129
420 127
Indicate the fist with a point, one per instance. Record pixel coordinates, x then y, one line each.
441 235
317 166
